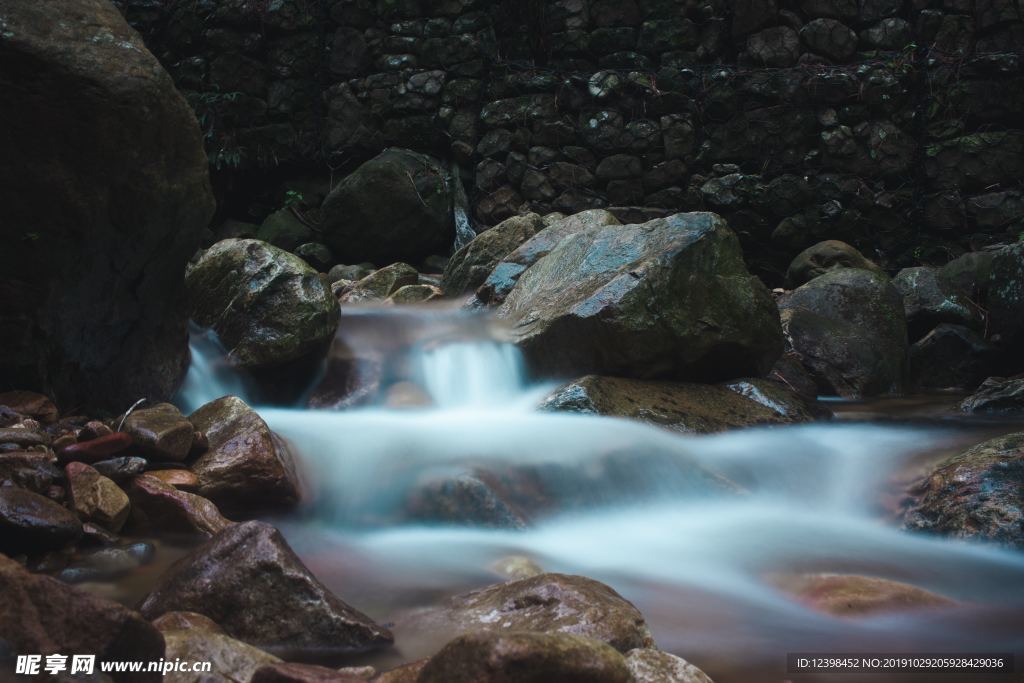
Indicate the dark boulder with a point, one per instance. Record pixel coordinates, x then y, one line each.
825 256
1006 300
997 396
951 356
268 307
106 193
252 584
668 298
31 523
395 207
157 505
928 300
39 614
848 328
977 494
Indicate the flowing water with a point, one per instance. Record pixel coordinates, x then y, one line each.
691 529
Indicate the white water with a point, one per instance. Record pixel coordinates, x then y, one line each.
640 508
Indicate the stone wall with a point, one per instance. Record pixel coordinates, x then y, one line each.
895 125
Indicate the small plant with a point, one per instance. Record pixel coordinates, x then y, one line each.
35 237
293 198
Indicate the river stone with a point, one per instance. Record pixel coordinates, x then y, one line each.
469 266
654 666
525 658
997 396
284 230
267 306
849 329
668 298
395 207
547 603
247 466
231 660
789 404
158 505
40 614
96 233
121 469
969 273
853 595
30 404
185 480
95 450
354 272
951 357
23 438
976 494
414 294
96 498
825 256
928 301
303 673
247 580
506 273
407 673
381 284
32 470
161 432
31 523
1006 299
682 407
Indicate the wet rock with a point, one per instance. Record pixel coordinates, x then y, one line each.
969 273
285 230
96 234
951 357
32 470
683 407
247 466
853 595
928 301
185 480
1006 298
414 294
788 404
96 534
408 673
30 404
654 666
303 673
381 284
975 495
996 396
823 257
348 381
23 438
525 658
94 429
158 505
849 330
790 372
317 255
30 523
267 306
108 564
95 450
354 273
469 498
42 615
516 567
471 264
668 298
121 470
249 581
231 660
548 603
395 207
160 432
830 38
506 273
186 621
96 498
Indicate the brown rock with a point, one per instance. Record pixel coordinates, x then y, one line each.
408 673
30 523
303 673
521 657
32 470
22 437
94 429
231 660
414 294
30 404
96 498
184 621
95 450
185 480
547 603
161 432
654 666
160 506
853 595
39 614
247 465
249 581
825 256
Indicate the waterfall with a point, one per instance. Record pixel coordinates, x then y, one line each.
210 374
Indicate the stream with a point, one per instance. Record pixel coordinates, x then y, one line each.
628 504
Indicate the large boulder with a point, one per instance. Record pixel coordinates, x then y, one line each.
546 603
191 637
157 505
41 615
822 257
268 307
679 406
469 266
848 328
668 298
505 274
951 357
525 657
106 192
395 207
1006 300
247 466
976 494
996 396
929 300
247 580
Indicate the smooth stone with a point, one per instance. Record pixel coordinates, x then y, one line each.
850 595
185 480
822 257
996 396
654 666
303 673
158 505
121 469
31 523
95 450
161 432
96 498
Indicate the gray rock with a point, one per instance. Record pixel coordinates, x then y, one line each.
928 300
471 264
